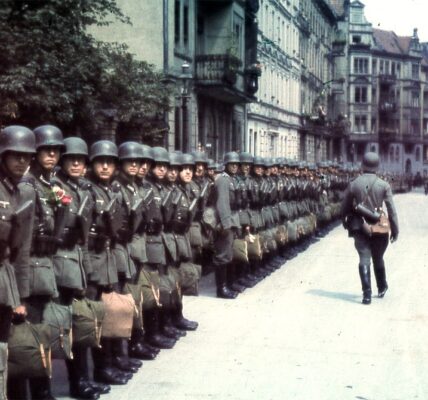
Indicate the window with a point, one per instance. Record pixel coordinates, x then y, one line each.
356 39
177 22
415 99
373 125
418 154
237 35
381 67
391 154
414 127
361 123
361 94
415 71
374 67
361 65
186 26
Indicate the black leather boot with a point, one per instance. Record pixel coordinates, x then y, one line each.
139 349
153 335
104 372
380 275
183 323
17 389
223 291
364 271
231 281
77 368
120 356
40 389
167 327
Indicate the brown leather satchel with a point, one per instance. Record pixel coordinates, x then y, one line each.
120 309
382 226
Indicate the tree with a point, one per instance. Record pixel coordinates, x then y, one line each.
52 70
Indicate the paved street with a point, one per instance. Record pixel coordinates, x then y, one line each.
303 334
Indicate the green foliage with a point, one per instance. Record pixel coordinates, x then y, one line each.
52 70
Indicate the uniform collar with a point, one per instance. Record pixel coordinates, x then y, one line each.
37 172
10 184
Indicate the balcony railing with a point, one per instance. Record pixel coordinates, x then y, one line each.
387 79
388 134
217 69
387 107
412 138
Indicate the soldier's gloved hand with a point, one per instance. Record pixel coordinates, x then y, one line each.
393 238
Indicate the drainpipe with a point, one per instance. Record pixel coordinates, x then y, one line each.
165 59
165 37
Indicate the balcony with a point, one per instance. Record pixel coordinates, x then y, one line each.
388 134
303 22
412 138
221 76
387 79
217 69
387 107
363 137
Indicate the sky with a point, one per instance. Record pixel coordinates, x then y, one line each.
400 16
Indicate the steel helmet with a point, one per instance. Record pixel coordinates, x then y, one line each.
17 138
103 148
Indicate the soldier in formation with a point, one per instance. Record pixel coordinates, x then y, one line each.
114 225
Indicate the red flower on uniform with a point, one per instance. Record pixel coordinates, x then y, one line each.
59 197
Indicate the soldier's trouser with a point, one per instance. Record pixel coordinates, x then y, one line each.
3 370
77 368
223 248
177 300
16 387
102 356
40 388
5 322
371 248
149 281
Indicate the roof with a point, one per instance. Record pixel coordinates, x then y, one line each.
337 6
388 41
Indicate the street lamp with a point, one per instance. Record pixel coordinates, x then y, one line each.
185 78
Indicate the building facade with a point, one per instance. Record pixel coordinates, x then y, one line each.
294 45
384 97
274 119
207 50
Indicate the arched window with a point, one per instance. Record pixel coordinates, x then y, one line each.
418 154
391 154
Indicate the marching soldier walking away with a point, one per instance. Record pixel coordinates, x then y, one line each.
17 145
225 206
362 204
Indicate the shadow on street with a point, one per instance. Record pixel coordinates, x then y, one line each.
352 298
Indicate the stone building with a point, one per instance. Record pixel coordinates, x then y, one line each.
206 48
274 120
385 94
295 51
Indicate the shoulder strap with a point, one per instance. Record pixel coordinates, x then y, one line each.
370 189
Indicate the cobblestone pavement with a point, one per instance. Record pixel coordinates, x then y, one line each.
302 333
